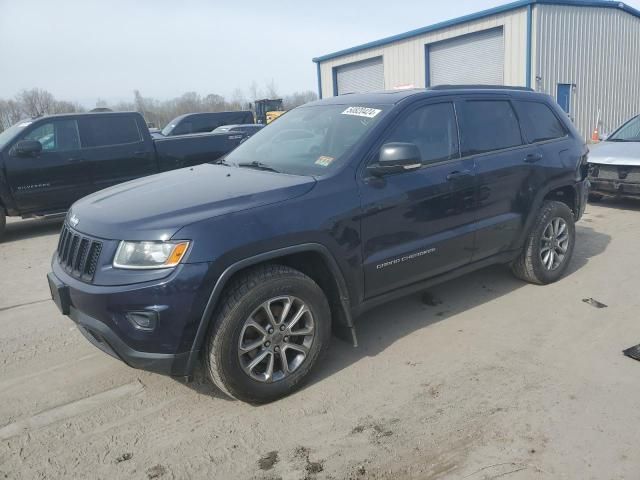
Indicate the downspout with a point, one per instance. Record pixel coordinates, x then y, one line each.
319 81
529 42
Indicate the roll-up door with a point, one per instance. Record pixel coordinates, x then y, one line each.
477 58
365 76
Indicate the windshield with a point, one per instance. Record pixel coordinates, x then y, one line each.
308 140
629 132
11 132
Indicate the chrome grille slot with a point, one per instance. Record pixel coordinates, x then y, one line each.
78 255
618 172
608 172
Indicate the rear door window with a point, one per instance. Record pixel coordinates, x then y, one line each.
203 123
56 136
539 122
102 131
488 125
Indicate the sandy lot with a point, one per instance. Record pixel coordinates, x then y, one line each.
486 377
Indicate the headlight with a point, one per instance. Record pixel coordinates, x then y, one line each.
147 255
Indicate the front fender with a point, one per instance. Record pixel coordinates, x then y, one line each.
228 273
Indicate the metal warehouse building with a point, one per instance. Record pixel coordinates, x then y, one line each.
586 54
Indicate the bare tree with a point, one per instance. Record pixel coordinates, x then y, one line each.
238 100
271 90
214 103
10 113
254 91
299 98
33 103
36 102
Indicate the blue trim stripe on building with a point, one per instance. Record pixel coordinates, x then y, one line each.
477 16
427 67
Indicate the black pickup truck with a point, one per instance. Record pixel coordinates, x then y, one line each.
48 163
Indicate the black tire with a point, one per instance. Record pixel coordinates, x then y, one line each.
595 197
529 265
243 297
3 222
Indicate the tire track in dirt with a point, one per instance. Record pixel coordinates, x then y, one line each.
7 384
68 410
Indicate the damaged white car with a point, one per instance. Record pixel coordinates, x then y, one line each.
614 164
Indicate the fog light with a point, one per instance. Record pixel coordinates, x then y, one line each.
146 321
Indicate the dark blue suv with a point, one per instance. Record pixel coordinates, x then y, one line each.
248 264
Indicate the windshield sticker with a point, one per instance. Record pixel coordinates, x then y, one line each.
25 124
324 161
362 112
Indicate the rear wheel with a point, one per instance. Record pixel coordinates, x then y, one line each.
272 326
549 246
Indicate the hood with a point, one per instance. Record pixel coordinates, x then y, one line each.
156 207
615 153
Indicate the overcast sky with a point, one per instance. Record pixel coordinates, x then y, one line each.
87 49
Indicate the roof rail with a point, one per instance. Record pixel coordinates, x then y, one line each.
480 87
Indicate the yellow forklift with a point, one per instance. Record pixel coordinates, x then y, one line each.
267 110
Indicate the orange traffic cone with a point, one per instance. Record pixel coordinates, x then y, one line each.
595 136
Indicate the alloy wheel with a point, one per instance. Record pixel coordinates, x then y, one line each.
554 243
276 338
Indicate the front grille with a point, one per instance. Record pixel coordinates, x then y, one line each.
616 172
78 255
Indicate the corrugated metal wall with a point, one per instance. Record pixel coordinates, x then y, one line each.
598 50
404 62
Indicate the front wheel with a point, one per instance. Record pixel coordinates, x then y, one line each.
273 324
549 246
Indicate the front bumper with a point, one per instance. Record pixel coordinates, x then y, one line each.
615 187
100 312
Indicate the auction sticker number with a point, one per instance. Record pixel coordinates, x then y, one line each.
362 112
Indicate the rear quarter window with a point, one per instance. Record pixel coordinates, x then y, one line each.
539 122
101 131
488 125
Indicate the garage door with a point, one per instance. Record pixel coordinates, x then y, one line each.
472 59
366 76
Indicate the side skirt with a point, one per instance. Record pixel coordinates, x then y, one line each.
368 304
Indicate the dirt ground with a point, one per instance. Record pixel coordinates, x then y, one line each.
483 377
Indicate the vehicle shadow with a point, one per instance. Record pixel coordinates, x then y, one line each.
17 230
381 327
625 203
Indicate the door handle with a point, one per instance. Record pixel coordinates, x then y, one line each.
139 154
75 160
533 158
458 175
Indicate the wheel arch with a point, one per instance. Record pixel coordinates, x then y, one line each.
313 259
561 191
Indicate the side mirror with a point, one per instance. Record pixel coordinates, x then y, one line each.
28 148
396 157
